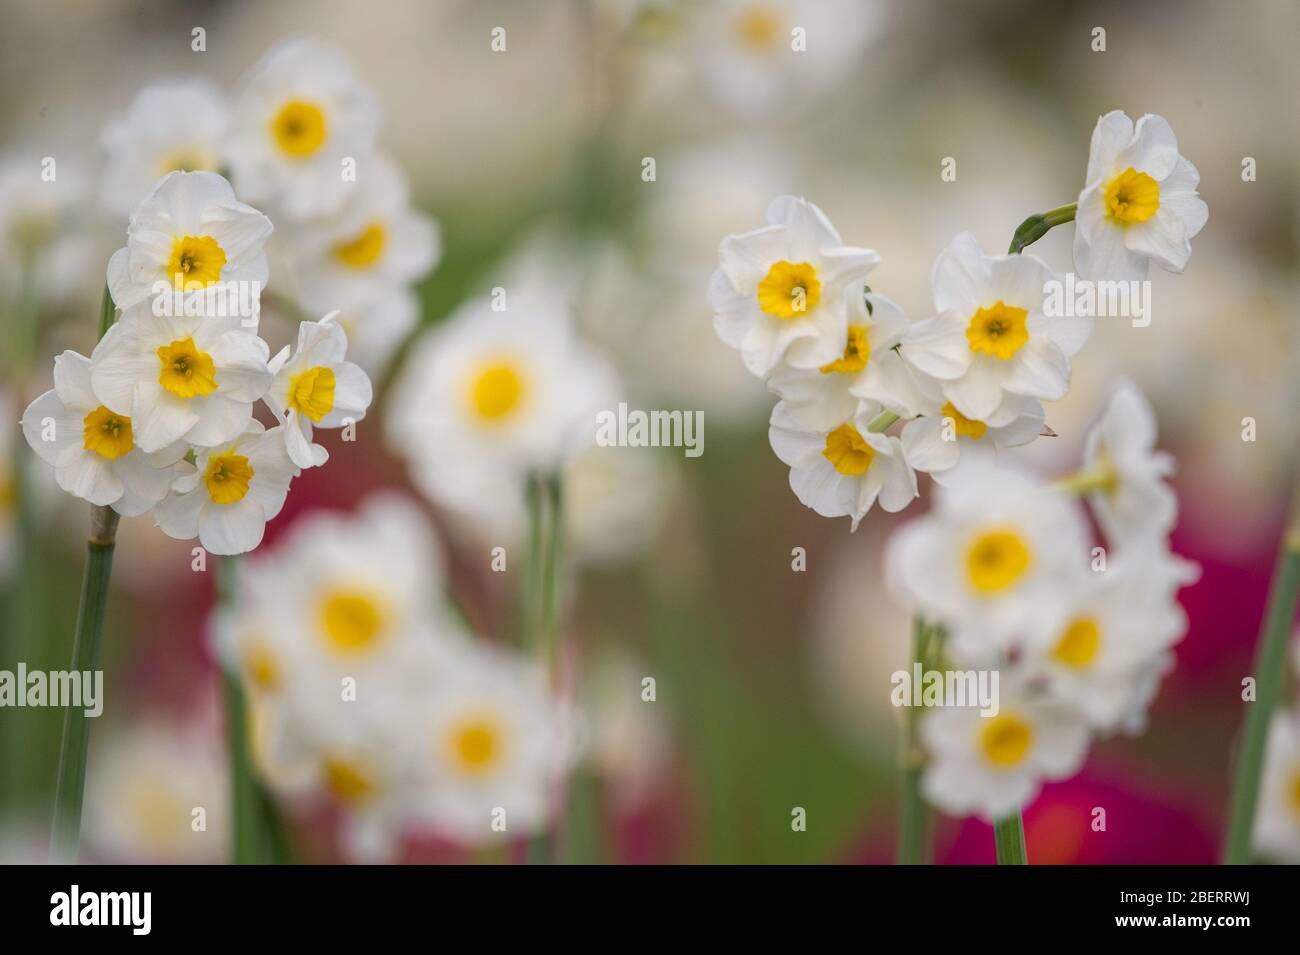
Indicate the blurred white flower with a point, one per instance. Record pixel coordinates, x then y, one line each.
190 233
233 490
300 116
990 341
91 448
993 766
996 553
1132 500
1277 823
615 502
631 741
489 397
781 291
36 212
184 377
314 386
376 240
145 784
749 55
842 470
1139 202
170 125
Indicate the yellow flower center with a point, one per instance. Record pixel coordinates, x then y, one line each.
227 477
348 781
758 28
476 745
352 621
261 666
496 391
299 128
1079 644
365 248
107 434
1132 197
186 371
999 330
964 426
187 160
311 392
196 262
1005 740
995 560
856 353
789 290
848 451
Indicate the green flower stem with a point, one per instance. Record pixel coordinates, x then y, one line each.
1009 838
1269 673
1038 225
916 818
71 786
882 421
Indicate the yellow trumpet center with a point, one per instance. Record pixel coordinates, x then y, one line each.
1005 740
1079 644
227 477
496 391
352 621
196 262
857 352
476 745
186 371
848 451
758 28
311 392
348 781
1000 330
1131 197
107 434
995 560
964 426
364 249
299 128
789 290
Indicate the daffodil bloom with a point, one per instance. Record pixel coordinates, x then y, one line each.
231 492
171 125
991 342
995 553
315 388
781 293
93 450
992 766
1139 202
1128 489
180 378
301 113
375 241
842 471
189 235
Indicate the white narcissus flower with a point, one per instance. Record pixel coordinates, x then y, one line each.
1133 500
948 445
315 388
1139 202
190 233
842 470
232 492
491 396
498 740
780 293
1105 649
375 327
992 766
994 554
869 368
170 125
1277 823
40 255
376 240
185 378
991 342
93 449
300 115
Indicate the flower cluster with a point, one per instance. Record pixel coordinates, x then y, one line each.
299 139
367 693
160 416
1006 575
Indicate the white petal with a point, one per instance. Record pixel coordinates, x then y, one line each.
231 528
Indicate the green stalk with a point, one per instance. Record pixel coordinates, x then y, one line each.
1038 225
916 818
547 524
882 421
1009 838
245 796
1269 672
71 786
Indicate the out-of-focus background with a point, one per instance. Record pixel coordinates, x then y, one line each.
772 685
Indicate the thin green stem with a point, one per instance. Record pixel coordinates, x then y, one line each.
1009 839
245 797
1269 673
547 518
916 818
107 312
71 786
1038 225
882 421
